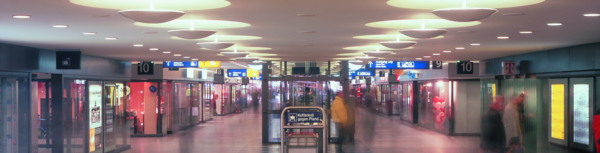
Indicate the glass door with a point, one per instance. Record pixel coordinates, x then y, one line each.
207 101
44 111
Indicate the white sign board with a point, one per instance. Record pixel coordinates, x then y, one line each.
509 68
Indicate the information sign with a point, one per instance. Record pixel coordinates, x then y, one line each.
437 64
209 64
509 68
237 73
145 68
464 68
398 65
362 73
304 117
169 64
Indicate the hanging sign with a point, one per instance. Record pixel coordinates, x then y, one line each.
464 68
237 73
145 68
437 64
509 67
209 64
362 72
169 64
398 72
398 65
252 73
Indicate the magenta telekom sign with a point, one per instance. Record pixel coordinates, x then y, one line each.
509 68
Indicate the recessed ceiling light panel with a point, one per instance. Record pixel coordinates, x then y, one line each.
525 32
186 57
21 16
111 38
554 24
154 49
503 37
436 54
60 26
426 56
475 44
460 48
166 52
176 54
138 45
89 33
447 51
591 15
194 59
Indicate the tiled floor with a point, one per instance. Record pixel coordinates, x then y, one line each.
241 133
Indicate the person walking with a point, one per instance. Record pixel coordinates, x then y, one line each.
492 132
339 115
513 120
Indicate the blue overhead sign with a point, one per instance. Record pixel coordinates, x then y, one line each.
398 65
170 64
363 72
257 78
237 73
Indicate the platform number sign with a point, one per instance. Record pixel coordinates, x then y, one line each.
220 72
464 68
145 68
437 64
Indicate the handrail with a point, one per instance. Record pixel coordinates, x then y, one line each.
324 126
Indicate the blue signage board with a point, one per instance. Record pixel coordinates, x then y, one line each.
398 65
237 73
362 72
303 117
257 78
170 64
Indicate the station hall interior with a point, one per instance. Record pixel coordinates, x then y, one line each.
322 76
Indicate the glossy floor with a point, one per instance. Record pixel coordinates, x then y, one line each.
241 133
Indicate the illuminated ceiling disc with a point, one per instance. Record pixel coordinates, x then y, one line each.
389 37
371 47
464 14
158 4
418 23
358 62
249 48
224 38
151 16
377 53
255 66
198 24
191 34
247 59
235 54
366 58
440 4
215 45
398 44
424 33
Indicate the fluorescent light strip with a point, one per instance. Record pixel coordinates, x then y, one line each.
554 24
475 44
89 33
460 48
176 54
153 48
111 38
418 58
60 26
186 57
194 59
167 52
525 32
21 16
426 56
591 15
138 45
447 51
436 54
502 37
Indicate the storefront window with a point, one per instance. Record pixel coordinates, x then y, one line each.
143 107
14 91
207 101
182 96
433 105
95 116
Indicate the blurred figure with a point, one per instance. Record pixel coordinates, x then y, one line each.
596 129
339 115
513 120
492 132
514 145
368 100
274 101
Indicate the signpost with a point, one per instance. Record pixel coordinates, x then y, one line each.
464 68
145 68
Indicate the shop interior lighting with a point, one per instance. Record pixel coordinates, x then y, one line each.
464 14
216 45
21 16
151 15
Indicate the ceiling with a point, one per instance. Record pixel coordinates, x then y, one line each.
276 29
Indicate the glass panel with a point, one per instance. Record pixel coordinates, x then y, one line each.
581 113
14 93
109 117
433 104
122 123
182 96
75 116
274 127
195 118
143 106
44 112
207 98
95 116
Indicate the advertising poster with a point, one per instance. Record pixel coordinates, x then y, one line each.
558 111
581 113
95 117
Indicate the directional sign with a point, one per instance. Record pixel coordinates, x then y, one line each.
363 72
237 73
169 64
303 117
398 64
209 64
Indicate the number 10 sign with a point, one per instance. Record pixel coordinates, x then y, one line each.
464 68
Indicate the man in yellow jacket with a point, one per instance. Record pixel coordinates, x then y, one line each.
339 115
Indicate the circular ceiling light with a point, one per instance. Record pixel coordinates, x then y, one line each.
162 4
235 54
388 37
216 45
418 23
398 44
247 59
255 66
424 33
262 62
464 14
439 4
366 58
151 15
586 15
377 53
191 33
